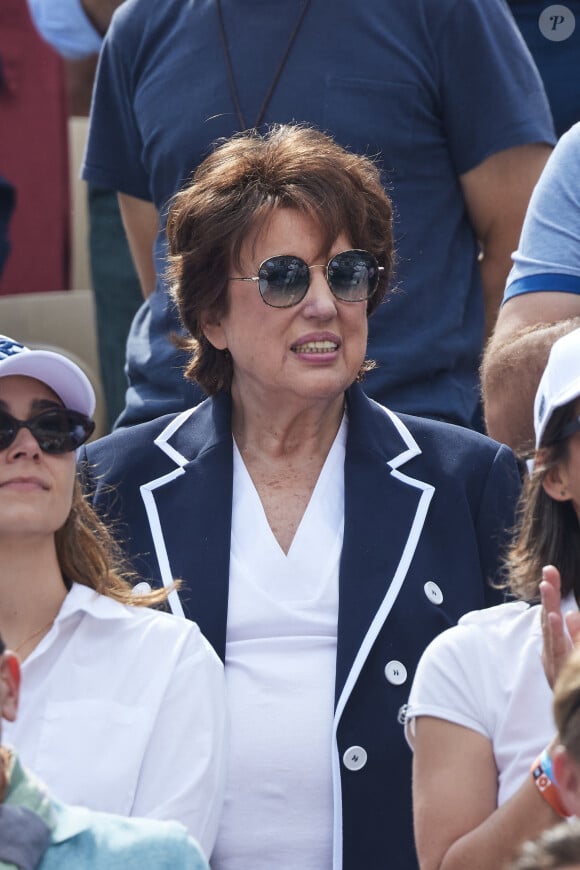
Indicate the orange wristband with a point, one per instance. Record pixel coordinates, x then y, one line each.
541 771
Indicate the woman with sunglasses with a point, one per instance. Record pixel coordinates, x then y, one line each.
122 707
322 540
480 713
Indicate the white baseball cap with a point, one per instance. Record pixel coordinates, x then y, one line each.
560 382
63 376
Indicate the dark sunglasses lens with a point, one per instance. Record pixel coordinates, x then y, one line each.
61 431
283 281
8 430
353 275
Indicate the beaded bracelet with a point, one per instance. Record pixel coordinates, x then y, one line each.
545 782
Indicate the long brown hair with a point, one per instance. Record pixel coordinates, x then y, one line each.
5 756
567 704
547 530
89 554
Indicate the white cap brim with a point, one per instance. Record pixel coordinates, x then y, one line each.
560 382
64 377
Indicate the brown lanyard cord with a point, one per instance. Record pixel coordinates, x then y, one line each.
277 74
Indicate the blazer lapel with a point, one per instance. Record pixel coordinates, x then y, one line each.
193 502
385 511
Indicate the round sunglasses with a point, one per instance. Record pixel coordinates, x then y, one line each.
57 430
283 281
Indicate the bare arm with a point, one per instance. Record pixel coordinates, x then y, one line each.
530 309
141 222
457 821
496 194
100 12
455 779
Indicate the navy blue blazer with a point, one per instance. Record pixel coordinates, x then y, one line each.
427 506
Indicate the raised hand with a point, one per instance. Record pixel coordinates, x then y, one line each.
557 642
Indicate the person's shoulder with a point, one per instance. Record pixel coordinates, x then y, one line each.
162 627
567 150
505 619
126 446
429 425
135 30
449 437
134 15
154 629
495 631
486 629
432 441
135 456
571 136
144 432
199 417
85 838
472 12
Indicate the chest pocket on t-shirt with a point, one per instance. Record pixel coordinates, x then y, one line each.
90 752
373 118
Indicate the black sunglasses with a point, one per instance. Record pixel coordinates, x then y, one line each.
283 281
57 430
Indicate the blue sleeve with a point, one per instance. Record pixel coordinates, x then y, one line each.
65 26
114 153
548 255
493 96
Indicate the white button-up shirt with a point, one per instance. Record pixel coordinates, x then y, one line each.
123 710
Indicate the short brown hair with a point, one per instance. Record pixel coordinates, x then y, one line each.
523 354
230 197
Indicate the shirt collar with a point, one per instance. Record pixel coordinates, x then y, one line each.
80 600
85 600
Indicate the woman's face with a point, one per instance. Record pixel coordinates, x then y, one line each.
570 474
562 481
312 351
35 487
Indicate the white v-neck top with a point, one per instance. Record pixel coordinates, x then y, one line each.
280 674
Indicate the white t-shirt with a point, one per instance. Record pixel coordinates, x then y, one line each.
122 709
486 674
280 675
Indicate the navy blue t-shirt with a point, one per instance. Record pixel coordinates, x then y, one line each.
431 87
553 37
